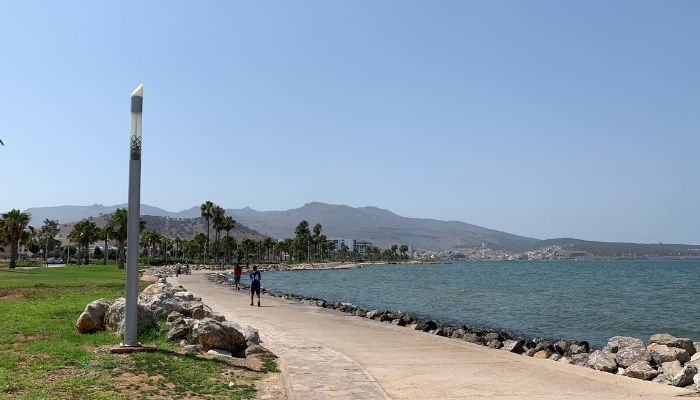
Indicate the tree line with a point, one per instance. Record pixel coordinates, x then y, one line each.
308 244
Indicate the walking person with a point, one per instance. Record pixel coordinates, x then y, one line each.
255 284
237 271
177 270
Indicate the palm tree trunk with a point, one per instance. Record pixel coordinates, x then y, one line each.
13 254
105 249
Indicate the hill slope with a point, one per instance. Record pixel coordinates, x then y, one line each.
186 228
381 227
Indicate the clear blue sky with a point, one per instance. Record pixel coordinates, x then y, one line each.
540 118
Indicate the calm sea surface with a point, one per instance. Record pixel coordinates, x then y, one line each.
591 300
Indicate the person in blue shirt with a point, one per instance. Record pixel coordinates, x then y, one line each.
255 284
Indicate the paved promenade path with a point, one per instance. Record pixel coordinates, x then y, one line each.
325 354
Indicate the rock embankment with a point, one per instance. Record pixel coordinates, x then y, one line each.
190 322
664 358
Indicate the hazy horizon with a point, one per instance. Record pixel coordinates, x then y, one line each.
543 119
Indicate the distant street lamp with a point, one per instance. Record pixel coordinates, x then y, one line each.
132 236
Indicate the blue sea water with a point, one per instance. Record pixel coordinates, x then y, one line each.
590 300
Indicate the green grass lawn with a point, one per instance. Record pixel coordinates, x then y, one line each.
42 356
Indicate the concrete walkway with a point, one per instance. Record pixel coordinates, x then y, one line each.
325 354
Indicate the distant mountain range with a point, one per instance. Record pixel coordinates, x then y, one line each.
379 226
185 228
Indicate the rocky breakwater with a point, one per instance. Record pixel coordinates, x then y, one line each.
664 358
182 317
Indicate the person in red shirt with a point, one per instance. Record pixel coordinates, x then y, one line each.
237 271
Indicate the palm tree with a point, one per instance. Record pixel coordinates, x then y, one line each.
104 234
15 229
178 245
228 224
206 210
403 250
217 218
200 242
151 239
117 225
267 244
84 233
315 239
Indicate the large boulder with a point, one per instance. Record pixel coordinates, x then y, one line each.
179 332
671 368
212 334
458 333
160 298
93 318
562 346
616 343
580 359
641 370
602 361
672 341
183 296
578 347
627 356
114 318
685 377
513 346
661 353
473 338
426 326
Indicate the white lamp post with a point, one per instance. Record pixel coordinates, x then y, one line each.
134 216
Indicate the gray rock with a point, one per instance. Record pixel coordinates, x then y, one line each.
426 326
661 353
543 354
93 318
529 352
565 360
641 370
114 318
173 316
190 349
615 343
198 313
211 334
457 334
671 368
555 357
160 298
372 314
494 344
697 346
685 377
399 322
544 345
620 371
580 359
259 351
602 361
183 296
562 346
217 317
474 338
672 341
696 380
219 353
513 346
179 332
627 356
492 336
662 379
578 348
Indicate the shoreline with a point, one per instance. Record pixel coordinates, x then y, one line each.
647 357
320 347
